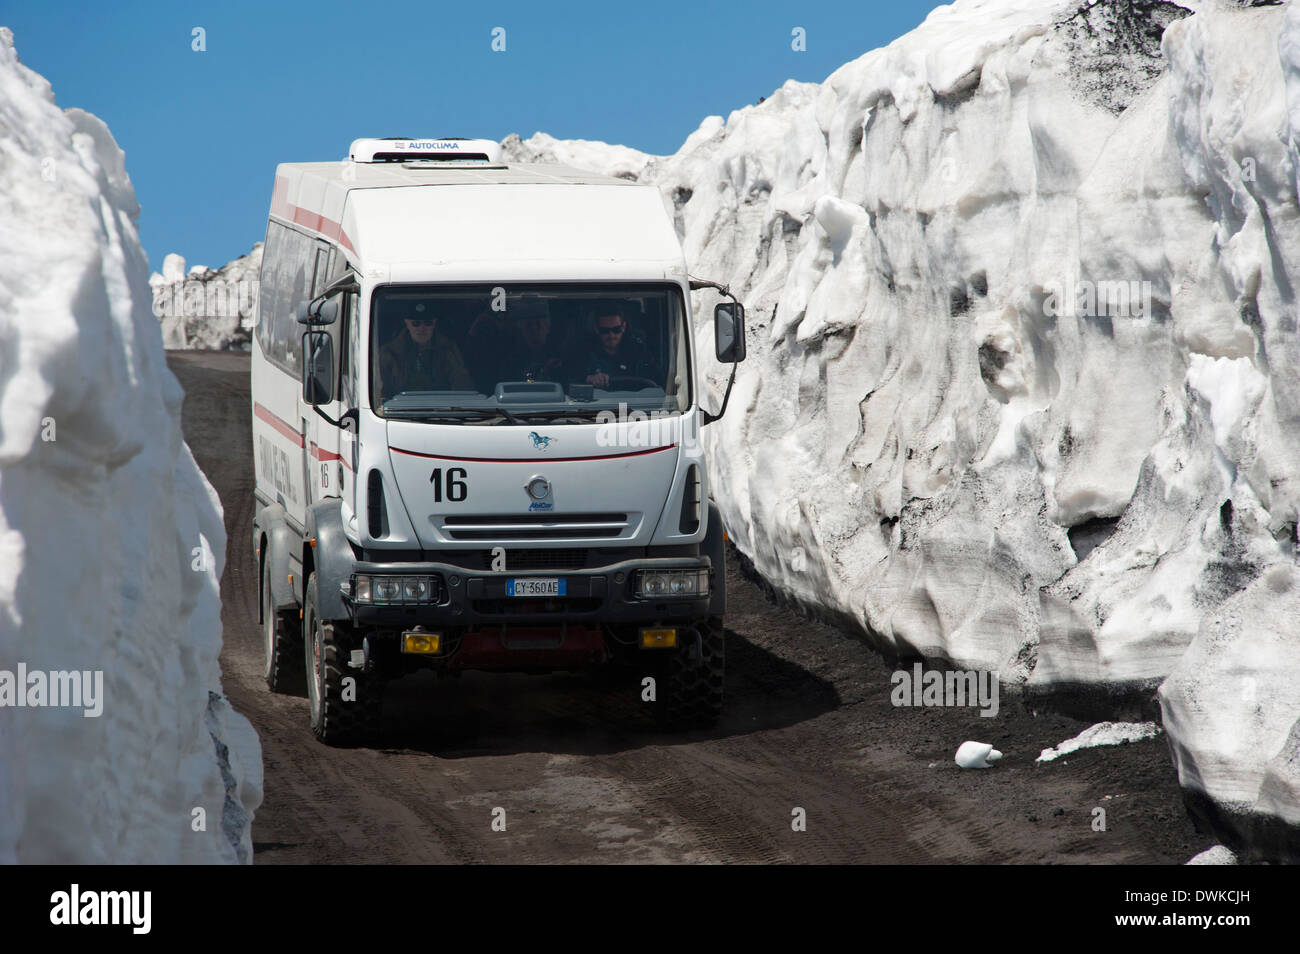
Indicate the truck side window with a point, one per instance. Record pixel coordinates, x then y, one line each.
338 262
269 290
294 277
322 261
347 338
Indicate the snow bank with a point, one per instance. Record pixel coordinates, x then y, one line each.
111 540
208 308
1103 733
1021 391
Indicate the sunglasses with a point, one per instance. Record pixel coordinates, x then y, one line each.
611 329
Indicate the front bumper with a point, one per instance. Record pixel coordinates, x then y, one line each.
474 598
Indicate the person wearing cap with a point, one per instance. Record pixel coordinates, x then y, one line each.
420 358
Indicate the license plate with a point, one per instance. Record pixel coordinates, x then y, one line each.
535 586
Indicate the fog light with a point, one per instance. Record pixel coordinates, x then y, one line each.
679 583
387 589
658 638
425 644
653 584
417 589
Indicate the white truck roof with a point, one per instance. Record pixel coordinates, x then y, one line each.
429 214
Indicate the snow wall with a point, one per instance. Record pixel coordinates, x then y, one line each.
111 539
1022 391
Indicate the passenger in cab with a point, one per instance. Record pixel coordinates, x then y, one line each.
515 345
420 358
617 353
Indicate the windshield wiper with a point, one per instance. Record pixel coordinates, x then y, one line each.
457 413
575 414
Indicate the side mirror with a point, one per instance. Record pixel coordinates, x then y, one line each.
729 332
318 311
317 368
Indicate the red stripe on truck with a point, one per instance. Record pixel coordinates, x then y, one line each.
289 431
530 460
321 454
284 427
282 207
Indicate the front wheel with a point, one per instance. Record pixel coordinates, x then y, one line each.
692 690
345 702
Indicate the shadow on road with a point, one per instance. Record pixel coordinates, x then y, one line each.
587 713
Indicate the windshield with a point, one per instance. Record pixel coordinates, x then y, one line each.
520 353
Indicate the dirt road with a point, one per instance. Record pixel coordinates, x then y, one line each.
583 776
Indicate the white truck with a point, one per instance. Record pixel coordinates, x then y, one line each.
476 431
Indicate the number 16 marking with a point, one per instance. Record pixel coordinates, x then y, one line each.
456 487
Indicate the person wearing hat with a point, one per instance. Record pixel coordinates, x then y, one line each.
420 358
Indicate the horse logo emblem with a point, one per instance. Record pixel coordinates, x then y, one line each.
540 442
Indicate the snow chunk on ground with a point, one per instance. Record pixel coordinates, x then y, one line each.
1218 855
976 755
1103 733
111 540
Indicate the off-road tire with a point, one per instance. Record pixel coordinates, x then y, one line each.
691 689
328 646
281 645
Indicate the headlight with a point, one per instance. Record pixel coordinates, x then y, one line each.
682 583
394 589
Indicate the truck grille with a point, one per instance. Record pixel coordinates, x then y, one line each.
550 559
541 526
539 558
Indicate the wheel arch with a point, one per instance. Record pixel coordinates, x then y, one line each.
274 542
714 547
327 552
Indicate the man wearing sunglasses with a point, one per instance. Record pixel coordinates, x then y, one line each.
419 358
618 354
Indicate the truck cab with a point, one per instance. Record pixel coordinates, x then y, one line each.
476 422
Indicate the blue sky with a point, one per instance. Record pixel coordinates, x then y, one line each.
295 82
